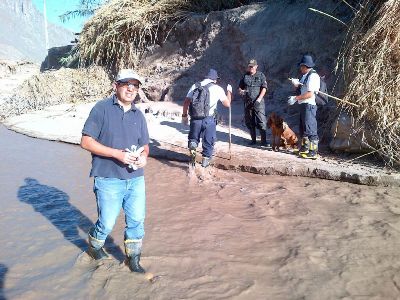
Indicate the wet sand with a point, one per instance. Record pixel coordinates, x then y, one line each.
209 235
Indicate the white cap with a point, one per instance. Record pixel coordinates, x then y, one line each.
127 74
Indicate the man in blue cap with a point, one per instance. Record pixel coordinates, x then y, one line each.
307 86
201 101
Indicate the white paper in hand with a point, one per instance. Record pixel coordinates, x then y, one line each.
295 81
136 152
292 100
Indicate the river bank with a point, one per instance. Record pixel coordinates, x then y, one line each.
169 141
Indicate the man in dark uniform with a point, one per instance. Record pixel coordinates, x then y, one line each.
253 87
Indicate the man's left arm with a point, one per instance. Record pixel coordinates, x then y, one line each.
226 99
143 142
263 89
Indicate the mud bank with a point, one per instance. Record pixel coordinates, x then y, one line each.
169 141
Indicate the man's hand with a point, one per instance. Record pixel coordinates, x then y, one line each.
292 100
185 120
141 161
134 157
125 157
295 82
229 88
242 92
258 100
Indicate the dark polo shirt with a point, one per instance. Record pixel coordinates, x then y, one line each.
111 126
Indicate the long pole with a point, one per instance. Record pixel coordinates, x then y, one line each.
338 99
333 97
46 33
230 136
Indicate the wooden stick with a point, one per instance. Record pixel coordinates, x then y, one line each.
336 98
230 136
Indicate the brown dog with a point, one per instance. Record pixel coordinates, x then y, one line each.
282 135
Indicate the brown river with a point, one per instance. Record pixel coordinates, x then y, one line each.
209 234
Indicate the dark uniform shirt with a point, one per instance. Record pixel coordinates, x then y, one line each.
253 84
112 127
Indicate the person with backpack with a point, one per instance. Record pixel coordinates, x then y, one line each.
253 87
201 103
307 87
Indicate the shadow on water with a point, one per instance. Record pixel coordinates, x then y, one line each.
53 204
3 271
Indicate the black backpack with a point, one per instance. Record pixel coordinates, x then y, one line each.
199 107
319 98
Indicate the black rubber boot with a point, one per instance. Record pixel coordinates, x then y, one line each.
263 134
96 250
133 250
97 254
133 263
253 136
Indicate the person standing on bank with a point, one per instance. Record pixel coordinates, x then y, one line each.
253 87
115 124
201 101
307 86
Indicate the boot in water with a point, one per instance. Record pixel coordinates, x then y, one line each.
134 264
96 250
97 254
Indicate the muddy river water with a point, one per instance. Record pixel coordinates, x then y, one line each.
209 234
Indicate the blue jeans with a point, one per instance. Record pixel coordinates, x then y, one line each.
308 121
112 194
207 130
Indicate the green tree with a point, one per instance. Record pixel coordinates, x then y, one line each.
86 8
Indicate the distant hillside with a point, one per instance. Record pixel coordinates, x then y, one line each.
22 32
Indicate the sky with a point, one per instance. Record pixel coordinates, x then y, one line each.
55 8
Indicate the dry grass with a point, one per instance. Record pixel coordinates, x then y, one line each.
62 86
122 29
371 66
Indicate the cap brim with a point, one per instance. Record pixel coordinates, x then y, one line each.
127 79
308 66
252 65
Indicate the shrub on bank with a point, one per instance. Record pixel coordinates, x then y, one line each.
370 60
122 29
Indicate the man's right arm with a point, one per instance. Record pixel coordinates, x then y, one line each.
90 144
242 87
186 104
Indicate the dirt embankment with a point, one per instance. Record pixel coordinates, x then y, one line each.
276 33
